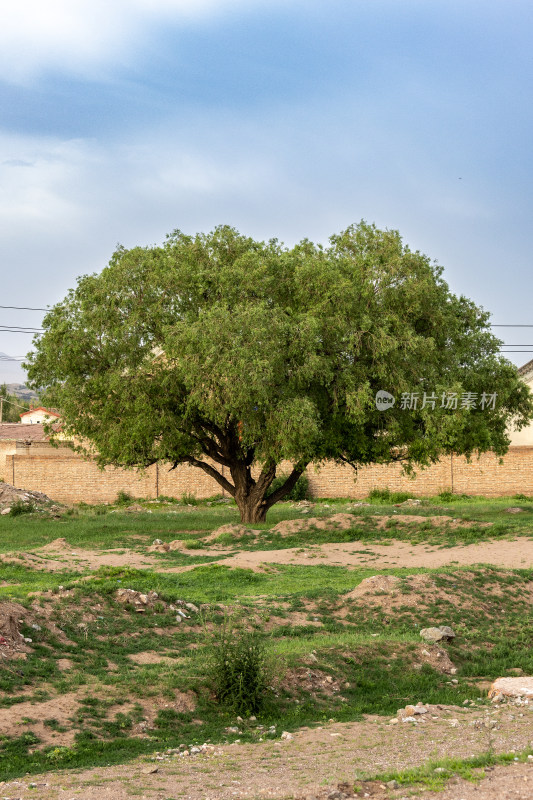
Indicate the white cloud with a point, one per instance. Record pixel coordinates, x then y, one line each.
84 36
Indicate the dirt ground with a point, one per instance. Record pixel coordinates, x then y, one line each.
508 553
310 765
516 553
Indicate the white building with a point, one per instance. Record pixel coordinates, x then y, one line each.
36 416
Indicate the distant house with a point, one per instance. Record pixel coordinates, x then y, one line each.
524 438
36 416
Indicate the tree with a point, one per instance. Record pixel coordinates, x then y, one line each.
234 355
11 405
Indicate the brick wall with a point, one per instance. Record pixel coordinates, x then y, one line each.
6 448
66 477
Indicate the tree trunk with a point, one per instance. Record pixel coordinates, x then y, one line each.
252 510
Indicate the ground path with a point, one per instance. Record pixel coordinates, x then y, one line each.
514 553
507 553
310 765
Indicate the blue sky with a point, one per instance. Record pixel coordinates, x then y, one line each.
124 120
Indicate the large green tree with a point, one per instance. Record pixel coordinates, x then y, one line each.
234 355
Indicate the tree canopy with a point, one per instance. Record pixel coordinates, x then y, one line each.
234 355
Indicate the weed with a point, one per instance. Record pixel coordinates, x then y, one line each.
237 666
386 496
124 498
189 499
20 507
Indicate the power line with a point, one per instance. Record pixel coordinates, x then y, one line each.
25 308
11 403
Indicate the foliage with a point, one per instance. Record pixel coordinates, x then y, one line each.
300 490
237 666
21 507
386 496
234 355
124 498
13 406
189 499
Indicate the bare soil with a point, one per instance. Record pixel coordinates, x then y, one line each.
508 553
312 764
513 554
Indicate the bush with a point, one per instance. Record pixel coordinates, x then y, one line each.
300 490
237 667
449 497
189 499
20 507
124 498
386 496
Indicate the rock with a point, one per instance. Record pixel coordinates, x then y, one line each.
286 735
408 719
157 541
150 770
511 687
392 784
192 607
442 633
514 510
454 723
5 511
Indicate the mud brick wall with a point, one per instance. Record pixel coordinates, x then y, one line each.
6 448
66 477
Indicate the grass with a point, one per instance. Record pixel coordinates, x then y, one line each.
471 769
370 652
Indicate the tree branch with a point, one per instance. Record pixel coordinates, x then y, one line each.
284 490
212 472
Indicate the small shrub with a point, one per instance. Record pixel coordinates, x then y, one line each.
386 496
237 667
189 499
193 544
124 498
300 490
20 507
449 497
163 498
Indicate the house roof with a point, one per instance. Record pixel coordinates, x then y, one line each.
526 368
41 408
15 432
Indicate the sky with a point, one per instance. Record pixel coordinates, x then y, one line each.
123 120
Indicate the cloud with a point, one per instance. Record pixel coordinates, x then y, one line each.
89 36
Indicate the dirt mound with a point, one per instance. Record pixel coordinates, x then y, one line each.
10 494
165 547
57 544
12 643
313 681
409 519
339 521
436 657
234 529
377 583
